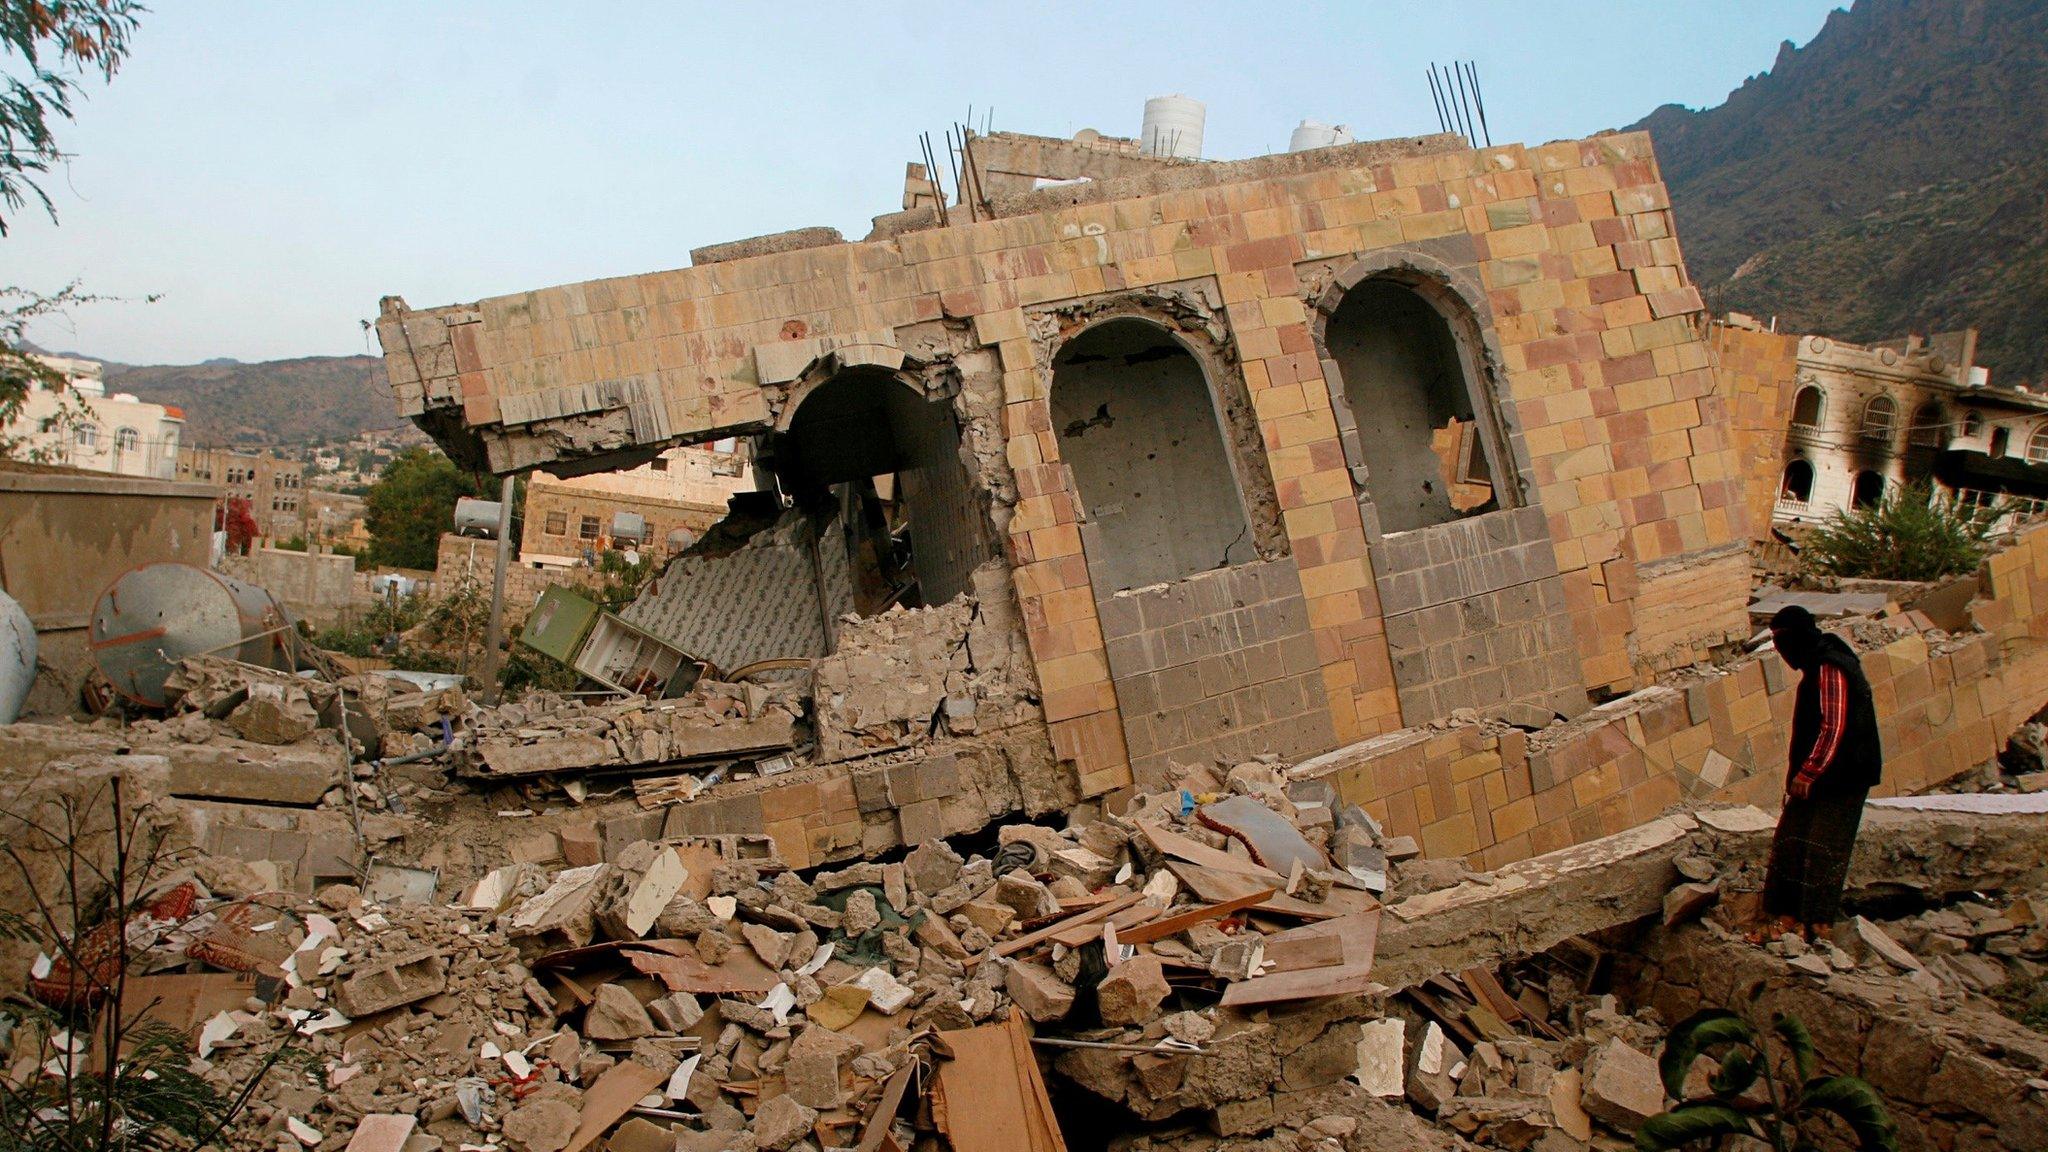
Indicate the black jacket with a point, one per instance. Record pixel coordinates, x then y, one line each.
1859 760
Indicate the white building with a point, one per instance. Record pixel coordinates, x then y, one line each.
1869 419
83 427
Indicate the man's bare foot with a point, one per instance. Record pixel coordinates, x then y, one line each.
1770 929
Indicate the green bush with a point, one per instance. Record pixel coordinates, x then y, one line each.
1795 1102
1909 535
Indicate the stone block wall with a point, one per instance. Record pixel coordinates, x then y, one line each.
1595 356
1753 372
1218 666
1494 798
1477 616
1953 1078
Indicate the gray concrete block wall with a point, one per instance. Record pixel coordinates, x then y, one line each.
1219 666
1476 617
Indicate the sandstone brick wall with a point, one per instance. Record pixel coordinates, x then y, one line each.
1754 371
1595 352
1496 799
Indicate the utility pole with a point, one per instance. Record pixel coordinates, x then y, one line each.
497 624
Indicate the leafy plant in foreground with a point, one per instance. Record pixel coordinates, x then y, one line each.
1795 1099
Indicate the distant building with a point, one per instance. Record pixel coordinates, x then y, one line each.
273 487
1866 420
659 507
336 517
79 425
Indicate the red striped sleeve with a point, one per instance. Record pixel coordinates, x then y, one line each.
1834 717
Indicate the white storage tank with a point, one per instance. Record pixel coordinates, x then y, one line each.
1173 127
1312 134
475 517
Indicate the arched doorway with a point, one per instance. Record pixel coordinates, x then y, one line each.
1138 429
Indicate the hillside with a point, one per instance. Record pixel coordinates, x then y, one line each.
278 402
1887 177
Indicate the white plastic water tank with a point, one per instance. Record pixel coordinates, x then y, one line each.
1173 127
475 517
1316 134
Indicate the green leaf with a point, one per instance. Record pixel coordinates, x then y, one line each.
1738 1072
1799 1040
1689 1122
1696 1033
1859 1106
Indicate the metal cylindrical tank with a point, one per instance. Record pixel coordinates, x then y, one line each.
1173 127
17 658
475 517
629 526
154 616
1310 134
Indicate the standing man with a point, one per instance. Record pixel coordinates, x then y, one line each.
1835 761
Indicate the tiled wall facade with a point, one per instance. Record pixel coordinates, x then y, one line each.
1754 370
1217 666
1596 344
1493 800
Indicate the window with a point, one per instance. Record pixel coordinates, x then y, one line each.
558 524
1409 391
659 463
2000 437
126 440
87 436
1868 490
2037 446
1929 428
1878 417
588 528
1973 424
1798 485
1808 407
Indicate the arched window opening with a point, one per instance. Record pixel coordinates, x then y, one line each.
87 436
1427 460
1868 490
1973 424
2037 446
126 440
879 466
1930 426
1138 428
1878 417
1808 406
1798 485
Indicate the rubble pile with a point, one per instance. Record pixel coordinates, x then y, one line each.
713 722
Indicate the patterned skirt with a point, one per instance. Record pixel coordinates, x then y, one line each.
1810 855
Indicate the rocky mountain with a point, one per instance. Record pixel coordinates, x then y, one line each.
1890 176
274 402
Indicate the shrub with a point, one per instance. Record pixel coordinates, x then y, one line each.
1908 535
1795 1101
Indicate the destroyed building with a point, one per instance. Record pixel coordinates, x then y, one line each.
1269 455
1830 426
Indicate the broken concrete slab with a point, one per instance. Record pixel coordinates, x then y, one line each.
393 983
1622 1087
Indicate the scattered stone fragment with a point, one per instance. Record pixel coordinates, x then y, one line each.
782 1122
1132 992
1043 996
1623 1088
544 1124
1382 1057
1687 901
885 993
616 1014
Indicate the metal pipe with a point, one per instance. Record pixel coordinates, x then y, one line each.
497 621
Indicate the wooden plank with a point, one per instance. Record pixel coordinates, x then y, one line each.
618 1090
877 1128
989 1098
1166 926
1193 851
1307 984
1031 940
1356 938
1487 990
1081 934
1452 1022
1219 884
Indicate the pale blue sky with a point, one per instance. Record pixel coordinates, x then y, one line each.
271 169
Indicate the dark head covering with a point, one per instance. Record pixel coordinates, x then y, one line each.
1797 636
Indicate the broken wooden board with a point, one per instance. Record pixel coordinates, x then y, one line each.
673 962
608 1100
1033 939
1306 984
877 1127
1166 926
1217 884
1353 938
989 1096
1187 848
1081 934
